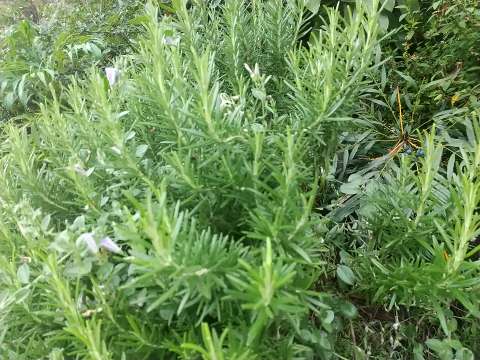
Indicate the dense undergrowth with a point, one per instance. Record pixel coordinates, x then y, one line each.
252 180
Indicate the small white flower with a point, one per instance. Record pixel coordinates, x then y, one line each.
80 170
26 259
110 245
116 150
88 313
89 242
201 272
112 75
224 101
171 41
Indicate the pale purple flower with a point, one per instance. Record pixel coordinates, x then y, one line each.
110 245
171 41
112 75
80 170
89 241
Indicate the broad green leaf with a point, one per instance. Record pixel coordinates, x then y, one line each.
141 150
442 319
329 316
259 94
360 354
384 22
441 349
79 268
413 5
23 273
464 354
450 167
353 186
418 352
313 5
389 5
45 222
436 4
345 274
350 188
410 81
9 100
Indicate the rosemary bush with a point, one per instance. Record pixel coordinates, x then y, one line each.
207 196
196 169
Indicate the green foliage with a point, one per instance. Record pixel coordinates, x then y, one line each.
436 65
426 264
39 57
240 180
199 162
